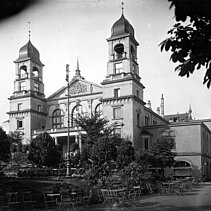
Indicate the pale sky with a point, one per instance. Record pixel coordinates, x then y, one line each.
63 30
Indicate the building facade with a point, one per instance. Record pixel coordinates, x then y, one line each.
119 97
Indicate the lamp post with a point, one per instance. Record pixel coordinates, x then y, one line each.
68 122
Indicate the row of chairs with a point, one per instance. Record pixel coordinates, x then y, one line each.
67 199
17 200
177 187
120 195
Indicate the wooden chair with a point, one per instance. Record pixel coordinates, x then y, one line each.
50 200
65 202
12 199
107 196
27 200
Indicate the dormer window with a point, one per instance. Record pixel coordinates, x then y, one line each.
118 68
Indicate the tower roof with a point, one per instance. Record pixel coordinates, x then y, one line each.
122 27
27 52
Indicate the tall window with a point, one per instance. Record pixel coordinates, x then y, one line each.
57 119
146 143
154 122
75 112
19 106
23 71
138 119
119 50
118 68
117 113
98 108
19 124
137 93
36 87
117 92
35 72
146 120
39 108
22 86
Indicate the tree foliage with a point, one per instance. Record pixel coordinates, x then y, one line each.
126 153
104 150
190 37
4 146
95 126
43 151
160 153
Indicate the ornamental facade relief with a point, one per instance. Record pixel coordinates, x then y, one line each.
78 89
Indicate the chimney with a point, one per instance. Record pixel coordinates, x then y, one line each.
162 106
149 104
158 110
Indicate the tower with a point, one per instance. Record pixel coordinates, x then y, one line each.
27 104
122 90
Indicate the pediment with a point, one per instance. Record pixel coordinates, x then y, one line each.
77 87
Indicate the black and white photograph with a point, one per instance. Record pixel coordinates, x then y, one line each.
105 105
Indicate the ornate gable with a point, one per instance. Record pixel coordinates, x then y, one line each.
77 87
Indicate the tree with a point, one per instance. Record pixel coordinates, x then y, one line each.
16 138
95 126
160 153
4 146
104 150
190 37
43 151
126 153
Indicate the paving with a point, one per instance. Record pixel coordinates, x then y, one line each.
198 199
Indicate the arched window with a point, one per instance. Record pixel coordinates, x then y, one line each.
98 109
75 112
35 72
23 71
183 164
57 119
119 50
169 135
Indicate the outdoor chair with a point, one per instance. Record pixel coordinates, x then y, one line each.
50 200
65 202
3 202
13 201
84 197
135 192
27 200
107 196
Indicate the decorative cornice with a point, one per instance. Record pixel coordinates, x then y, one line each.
22 112
133 97
42 96
130 78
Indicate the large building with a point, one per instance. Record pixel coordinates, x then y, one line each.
119 97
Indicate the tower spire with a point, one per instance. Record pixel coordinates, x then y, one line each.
77 68
77 71
29 30
122 8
